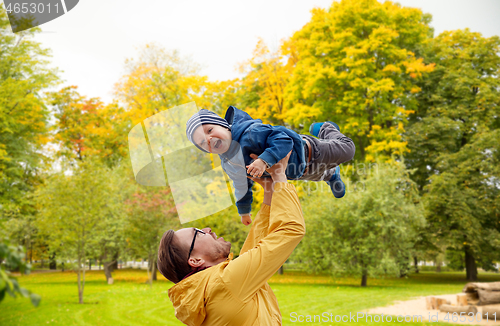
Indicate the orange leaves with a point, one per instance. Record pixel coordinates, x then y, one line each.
87 127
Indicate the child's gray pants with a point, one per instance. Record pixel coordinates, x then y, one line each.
330 150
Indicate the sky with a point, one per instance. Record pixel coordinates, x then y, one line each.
91 42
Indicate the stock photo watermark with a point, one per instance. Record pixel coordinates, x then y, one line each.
327 317
26 14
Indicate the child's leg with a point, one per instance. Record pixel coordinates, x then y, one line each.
334 147
328 152
331 150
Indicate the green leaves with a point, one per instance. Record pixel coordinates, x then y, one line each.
11 257
370 232
23 113
454 142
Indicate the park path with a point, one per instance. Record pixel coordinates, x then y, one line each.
417 307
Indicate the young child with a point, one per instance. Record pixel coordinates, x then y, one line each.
312 159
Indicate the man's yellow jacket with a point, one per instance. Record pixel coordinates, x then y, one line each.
236 292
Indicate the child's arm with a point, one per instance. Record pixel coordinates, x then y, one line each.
274 143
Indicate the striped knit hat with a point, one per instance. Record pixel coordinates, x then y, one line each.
203 117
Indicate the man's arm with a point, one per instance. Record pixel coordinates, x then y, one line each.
260 225
249 272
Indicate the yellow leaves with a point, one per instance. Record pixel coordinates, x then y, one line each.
383 85
391 68
416 67
415 89
268 74
301 113
381 37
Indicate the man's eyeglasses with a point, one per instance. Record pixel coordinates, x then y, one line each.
196 231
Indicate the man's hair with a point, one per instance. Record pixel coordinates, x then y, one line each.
172 258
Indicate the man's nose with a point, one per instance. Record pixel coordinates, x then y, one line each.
207 230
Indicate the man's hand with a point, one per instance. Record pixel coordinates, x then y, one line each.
277 171
266 183
257 168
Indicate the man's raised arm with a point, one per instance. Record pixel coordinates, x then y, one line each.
286 228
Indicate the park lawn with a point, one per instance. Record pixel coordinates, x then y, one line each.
132 302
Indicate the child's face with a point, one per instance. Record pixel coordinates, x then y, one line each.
213 138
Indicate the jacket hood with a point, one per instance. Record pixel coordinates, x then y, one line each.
188 298
239 121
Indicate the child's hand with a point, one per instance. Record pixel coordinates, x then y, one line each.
257 168
246 219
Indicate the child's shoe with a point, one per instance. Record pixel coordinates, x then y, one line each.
336 184
315 127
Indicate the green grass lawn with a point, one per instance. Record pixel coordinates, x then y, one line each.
132 302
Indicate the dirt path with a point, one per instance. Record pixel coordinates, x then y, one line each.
417 307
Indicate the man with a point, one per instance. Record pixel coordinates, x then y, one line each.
211 288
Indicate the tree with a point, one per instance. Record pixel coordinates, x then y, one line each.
159 80
451 141
463 202
368 234
262 89
151 212
357 64
24 76
73 208
87 128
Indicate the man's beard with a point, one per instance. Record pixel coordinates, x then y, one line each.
221 251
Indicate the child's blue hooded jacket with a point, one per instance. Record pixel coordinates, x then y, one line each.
270 143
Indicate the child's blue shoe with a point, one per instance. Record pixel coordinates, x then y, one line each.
336 184
315 127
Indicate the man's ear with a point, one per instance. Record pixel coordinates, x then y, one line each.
195 262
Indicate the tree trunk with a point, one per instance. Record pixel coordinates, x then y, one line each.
280 271
31 251
80 289
114 266
470 265
90 264
152 268
43 264
52 263
107 271
364 278
415 262
438 267
83 278
154 275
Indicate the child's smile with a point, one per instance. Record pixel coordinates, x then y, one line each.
213 138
